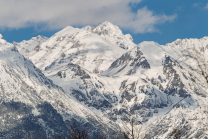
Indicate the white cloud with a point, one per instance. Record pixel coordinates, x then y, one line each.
56 14
206 6
196 4
145 21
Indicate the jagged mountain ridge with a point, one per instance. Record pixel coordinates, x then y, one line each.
144 86
113 34
147 81
30 101
28 47
85 87
77 46
175 81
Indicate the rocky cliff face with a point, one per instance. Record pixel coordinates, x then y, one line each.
85 87
32 102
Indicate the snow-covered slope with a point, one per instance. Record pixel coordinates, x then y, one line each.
148 81
188 117
142 84
27 48
153 86
32 102
188 43
2 40
113 34
197 48
77 46
85 87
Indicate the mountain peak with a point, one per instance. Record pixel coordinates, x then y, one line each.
107 23
39 37
113 34
1 37
190 43
107 28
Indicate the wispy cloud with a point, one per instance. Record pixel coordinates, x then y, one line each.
56 14
196 4
206 7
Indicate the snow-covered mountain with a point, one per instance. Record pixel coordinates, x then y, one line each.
103 70
145 88
30 102
88 88
26 48
77 46
113 34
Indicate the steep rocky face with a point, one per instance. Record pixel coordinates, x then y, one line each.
84 86
175 85
113 34
140 99
151 93
24 92
32 102
128 63
187 117
140 95
42 121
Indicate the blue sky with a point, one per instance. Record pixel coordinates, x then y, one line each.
191 21
161 21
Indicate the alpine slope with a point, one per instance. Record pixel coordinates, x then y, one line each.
103 77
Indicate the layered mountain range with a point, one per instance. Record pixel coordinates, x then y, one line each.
99 77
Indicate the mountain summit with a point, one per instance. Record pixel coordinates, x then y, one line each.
1 39
71 45
113 34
